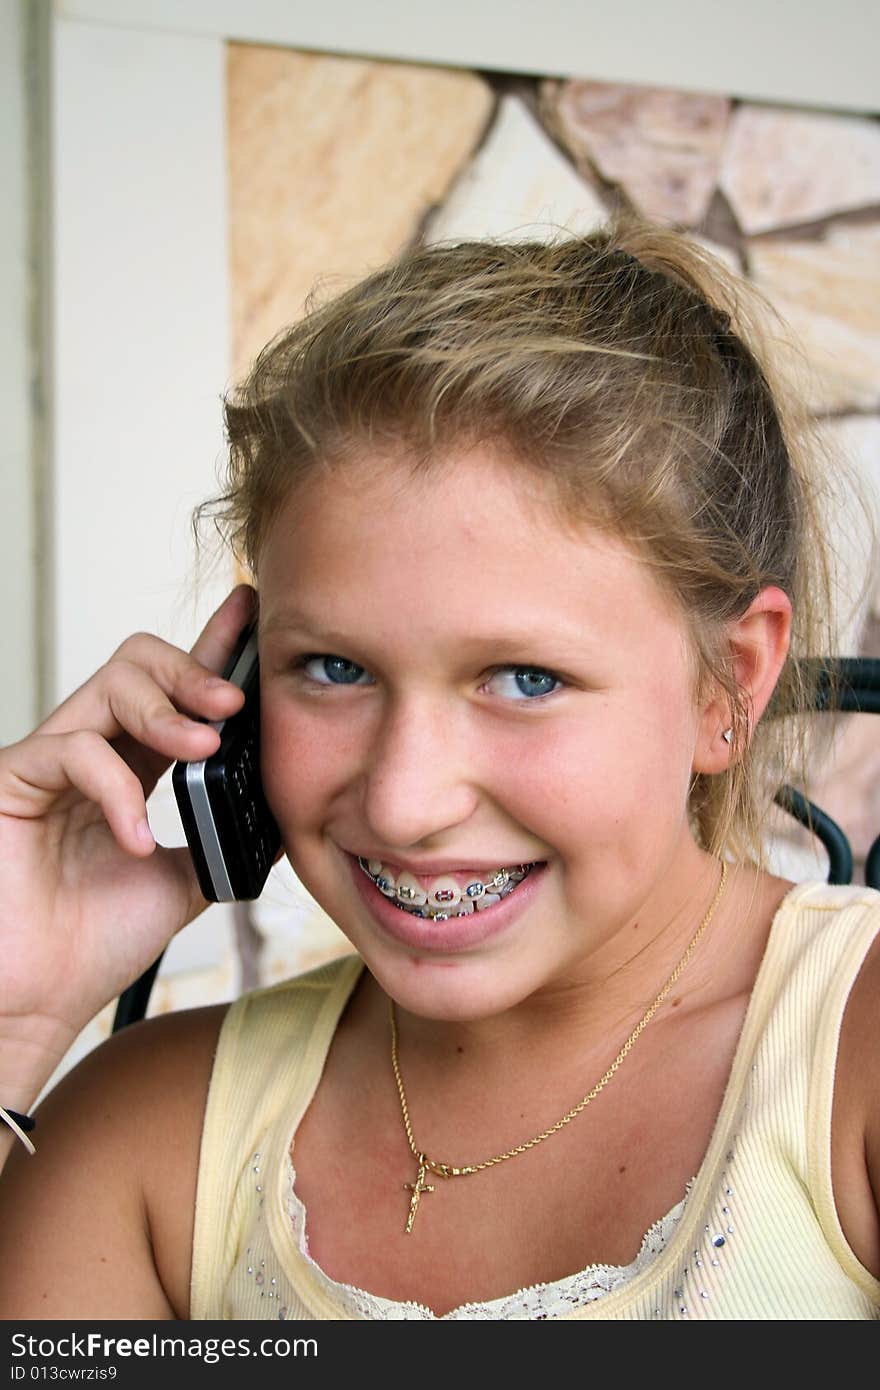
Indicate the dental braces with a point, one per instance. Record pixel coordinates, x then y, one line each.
500 885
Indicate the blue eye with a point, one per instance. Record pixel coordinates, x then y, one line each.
526 682
520 683
334 670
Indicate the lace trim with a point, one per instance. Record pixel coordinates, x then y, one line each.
538 1301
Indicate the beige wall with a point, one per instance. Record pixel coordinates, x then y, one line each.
802 51
18 492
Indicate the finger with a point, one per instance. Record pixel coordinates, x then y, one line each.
140 708
154 731
191 677
213 650
219 637
36 773
177 681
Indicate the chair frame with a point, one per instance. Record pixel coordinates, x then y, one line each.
849 685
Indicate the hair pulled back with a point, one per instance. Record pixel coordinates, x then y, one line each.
622 367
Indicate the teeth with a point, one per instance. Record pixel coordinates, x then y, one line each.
445 894
410 891
487 900
444 897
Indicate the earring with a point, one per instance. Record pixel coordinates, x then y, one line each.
728 735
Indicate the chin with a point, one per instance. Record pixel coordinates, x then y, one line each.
451 989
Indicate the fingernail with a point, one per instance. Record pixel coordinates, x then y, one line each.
144 832
213 681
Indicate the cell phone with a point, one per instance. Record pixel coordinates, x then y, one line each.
232 835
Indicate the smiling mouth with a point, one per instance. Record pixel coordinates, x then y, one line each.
444 897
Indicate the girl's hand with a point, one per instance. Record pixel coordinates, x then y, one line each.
87 899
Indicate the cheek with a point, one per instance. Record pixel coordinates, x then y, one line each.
560 779
655 757
605 770
304 759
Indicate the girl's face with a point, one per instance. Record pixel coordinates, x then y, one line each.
452 685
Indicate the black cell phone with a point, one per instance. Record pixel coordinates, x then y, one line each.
231 833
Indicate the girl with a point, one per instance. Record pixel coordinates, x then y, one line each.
536 547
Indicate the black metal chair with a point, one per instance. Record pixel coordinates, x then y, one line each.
855 682
854 685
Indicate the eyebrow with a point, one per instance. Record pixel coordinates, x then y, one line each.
516 642
289 619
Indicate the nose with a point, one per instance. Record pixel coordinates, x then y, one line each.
419 781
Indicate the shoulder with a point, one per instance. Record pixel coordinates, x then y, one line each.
833 900
858 1058
856 1120
159 1067
117 1152
118 1147
825 931
165 1073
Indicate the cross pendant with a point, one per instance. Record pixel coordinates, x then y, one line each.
417 1188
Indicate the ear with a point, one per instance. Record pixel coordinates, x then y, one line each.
759 642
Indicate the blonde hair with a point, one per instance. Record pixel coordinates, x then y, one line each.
628 368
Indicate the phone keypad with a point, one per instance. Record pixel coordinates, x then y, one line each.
252 814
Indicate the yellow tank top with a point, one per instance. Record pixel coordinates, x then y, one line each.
759 1237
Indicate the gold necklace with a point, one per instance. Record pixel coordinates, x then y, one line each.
447 1170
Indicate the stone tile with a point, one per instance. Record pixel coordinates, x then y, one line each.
791 853
281 960
828 291
845 784
191 989
848 790
783 166
845 777
296 934
333 163
518 185
855 441
662 147
728 258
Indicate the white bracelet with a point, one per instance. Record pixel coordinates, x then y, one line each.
17 1129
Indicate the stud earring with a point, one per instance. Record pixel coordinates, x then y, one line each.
728 735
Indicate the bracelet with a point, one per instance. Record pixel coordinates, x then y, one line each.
19 1124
